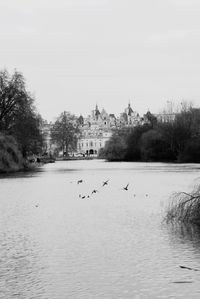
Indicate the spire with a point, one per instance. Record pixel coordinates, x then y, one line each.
81 120
129 110
97 112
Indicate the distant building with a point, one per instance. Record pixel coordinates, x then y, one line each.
46 128
97 128
165 117
48 146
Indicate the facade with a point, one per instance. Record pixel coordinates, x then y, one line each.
165 117
48 147
95 130
98 127
90 145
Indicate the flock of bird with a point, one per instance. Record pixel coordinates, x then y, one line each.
104 183
93 191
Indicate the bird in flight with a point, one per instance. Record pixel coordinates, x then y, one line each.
79 181
94 191
126 188
105 183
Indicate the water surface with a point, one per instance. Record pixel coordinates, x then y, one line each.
55 244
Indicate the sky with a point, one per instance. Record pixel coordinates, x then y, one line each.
75 54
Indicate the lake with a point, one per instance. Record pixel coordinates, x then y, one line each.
56 242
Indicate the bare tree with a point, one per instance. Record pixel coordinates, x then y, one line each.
64 132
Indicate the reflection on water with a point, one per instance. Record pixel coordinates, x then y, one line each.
54 244
187 235
190 233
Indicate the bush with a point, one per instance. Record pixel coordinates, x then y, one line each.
10 156
115 149
133 141
191 153
154 147
185 207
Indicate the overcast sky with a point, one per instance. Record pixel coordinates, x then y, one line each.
76 53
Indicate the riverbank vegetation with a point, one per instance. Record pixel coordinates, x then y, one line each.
20 123
10 157
185 207
176 140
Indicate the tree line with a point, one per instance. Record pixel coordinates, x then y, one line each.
176 140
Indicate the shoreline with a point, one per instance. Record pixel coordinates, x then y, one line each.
76 158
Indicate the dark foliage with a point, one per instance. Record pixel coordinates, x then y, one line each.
172 141
133 142
191 152
115 148
10 156
18 116
154 147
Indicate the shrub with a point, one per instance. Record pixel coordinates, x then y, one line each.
115 149
191 153
10 156
185 207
